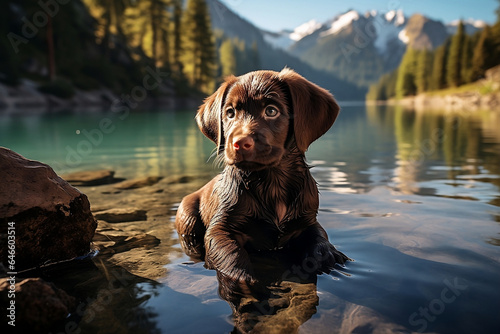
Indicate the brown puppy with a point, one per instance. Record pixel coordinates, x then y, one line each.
265 199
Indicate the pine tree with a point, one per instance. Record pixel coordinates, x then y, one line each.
227 58
438 80
423 70
497 11
385 88
111 16
177 34
494 55
148 28
198 46
405 84
9 58
466 61
480 54
71 39
377 91
453 67
374 92
159 25
391 84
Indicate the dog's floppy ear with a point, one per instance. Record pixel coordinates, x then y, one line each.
314 108
209 116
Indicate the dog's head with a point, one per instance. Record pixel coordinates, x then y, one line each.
256 117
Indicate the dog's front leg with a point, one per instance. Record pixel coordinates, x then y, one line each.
225 253
319 250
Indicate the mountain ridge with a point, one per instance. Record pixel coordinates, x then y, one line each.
393 16
360 48
234 26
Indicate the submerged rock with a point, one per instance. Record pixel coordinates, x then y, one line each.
90 178
140 253
50 220
39 305
180 179
120 215
138 183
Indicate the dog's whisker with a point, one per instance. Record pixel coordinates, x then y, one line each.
218 158
219 161
213 154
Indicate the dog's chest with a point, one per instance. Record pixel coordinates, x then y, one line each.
277 209
267 225
265 232
272 208
280 212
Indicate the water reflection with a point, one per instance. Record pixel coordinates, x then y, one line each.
145 143
450 154
109 298
367 147
283 298
454 146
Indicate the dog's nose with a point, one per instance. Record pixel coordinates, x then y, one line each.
243 143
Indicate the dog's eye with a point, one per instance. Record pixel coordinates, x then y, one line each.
271 111
230 113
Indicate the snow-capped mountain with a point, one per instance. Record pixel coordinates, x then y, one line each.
381 27
340 22
305 30
230 25
285 38
359 47
356 47
386 25
344 54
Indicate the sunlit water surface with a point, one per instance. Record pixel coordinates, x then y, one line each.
412 197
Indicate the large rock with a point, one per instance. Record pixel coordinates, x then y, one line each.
50 219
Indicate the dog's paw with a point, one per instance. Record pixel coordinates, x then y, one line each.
236 285
326 256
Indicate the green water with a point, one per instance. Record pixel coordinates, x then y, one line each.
412 197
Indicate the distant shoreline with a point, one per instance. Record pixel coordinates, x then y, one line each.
470 101
483 94
26 97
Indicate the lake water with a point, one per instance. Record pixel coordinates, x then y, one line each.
412 197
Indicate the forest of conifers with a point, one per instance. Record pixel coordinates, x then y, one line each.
86 44
462 59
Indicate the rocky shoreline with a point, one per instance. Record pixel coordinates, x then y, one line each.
470 101
26 97
127 222
486 96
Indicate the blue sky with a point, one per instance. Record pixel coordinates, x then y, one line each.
280 14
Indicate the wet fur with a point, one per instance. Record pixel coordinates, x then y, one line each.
254 207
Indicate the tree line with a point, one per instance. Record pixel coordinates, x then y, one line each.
175 38
91 43
462 59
